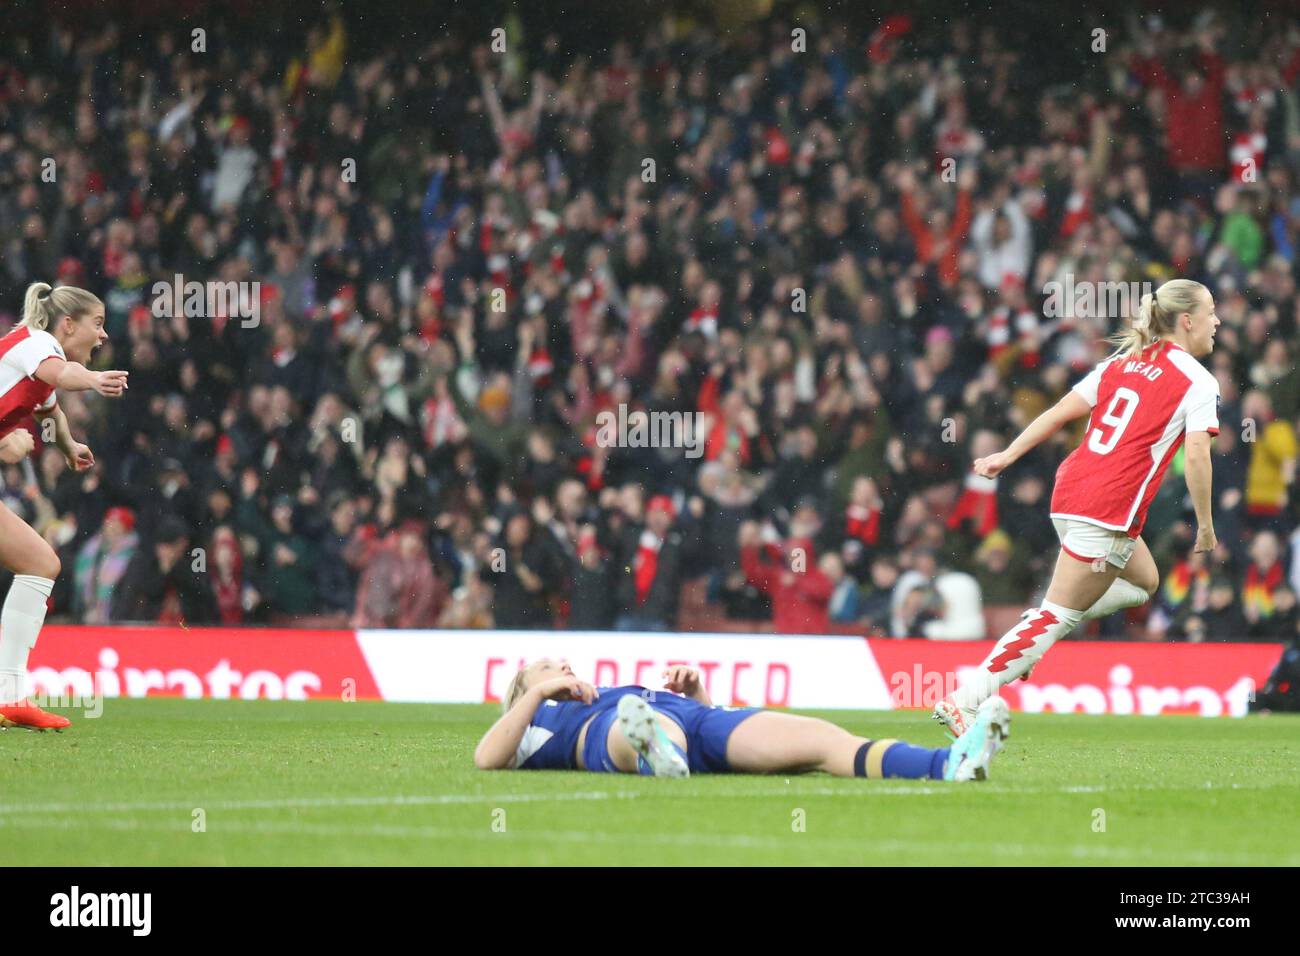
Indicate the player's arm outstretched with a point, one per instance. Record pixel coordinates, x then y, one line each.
496 751
1072 406
1197 469
75 377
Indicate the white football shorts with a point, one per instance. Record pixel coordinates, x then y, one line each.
1088 542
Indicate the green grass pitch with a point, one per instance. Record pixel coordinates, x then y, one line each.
171 782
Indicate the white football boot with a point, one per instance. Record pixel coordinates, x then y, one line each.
641 727
974 750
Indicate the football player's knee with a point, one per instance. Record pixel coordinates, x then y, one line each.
1148 579
45 564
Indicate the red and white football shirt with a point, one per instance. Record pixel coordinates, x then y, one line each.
21 393
1142 408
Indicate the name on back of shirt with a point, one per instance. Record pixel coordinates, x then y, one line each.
1145 369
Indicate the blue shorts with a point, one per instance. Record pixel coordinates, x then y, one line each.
707 730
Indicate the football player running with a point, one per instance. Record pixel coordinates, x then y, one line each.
1144 402
47 351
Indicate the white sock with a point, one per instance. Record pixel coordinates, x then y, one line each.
1019 650
1119 595
21 618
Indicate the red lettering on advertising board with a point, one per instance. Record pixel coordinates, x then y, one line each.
488 696
605 666
736 699
770 699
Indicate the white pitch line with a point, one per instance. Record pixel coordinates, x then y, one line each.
872 789
866 790
415 832
734 841
292 803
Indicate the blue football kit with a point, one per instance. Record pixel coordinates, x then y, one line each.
551 740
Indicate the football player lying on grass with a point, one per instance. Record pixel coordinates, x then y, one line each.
554 721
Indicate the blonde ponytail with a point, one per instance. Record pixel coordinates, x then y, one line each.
517 688
43 305
1157 316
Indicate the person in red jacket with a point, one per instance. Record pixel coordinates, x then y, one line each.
789 574
938 237
1194 129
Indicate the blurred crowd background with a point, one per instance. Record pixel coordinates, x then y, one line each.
840 259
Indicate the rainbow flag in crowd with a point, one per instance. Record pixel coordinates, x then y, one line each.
1180 581
1260 586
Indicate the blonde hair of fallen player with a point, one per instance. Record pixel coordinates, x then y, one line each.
1180 311
75 318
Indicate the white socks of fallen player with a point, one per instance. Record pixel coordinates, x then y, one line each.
21 618
1120 595
1019 650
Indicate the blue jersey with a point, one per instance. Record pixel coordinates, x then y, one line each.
551 740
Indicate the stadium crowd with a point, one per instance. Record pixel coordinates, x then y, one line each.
838 254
